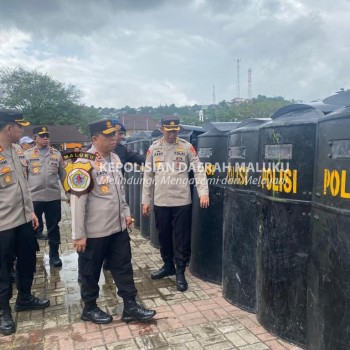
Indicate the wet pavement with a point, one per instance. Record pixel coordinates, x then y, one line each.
200 318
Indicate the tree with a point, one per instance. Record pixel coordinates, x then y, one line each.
40 97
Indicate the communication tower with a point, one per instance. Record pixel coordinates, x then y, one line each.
238 84
250 92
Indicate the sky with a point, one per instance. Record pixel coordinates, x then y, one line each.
157 52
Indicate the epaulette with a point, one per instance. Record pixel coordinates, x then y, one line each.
182 140
17 147
156 142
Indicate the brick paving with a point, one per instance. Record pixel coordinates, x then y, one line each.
200 318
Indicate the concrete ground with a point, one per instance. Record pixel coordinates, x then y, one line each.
197 319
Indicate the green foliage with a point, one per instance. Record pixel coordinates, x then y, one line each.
47 101
39 97
260 107
86 115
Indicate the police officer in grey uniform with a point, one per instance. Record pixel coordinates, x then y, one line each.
100 218
125 155
45 169
17 220
167 166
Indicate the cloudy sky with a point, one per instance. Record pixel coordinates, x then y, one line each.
151 52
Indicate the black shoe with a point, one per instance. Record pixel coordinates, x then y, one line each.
40 235
105 265
7 325
55 261
181 283
30 302
164 271
134 312
96 315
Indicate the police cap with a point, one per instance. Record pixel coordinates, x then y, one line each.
118 125
12 116
170 123
41 130
104 127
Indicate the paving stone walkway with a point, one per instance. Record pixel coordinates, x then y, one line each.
197 319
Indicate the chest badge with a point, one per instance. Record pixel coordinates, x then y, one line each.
104 189
5 170
7 179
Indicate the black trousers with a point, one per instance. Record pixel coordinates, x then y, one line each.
116 248
174 229
52 211
18 241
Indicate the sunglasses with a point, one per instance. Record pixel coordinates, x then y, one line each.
42 136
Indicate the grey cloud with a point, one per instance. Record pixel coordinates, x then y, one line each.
54 17
134 52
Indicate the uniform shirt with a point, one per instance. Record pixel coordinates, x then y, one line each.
167 174
44 173
128 156
102 211
16 205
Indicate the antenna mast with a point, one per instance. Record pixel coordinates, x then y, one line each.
250 93
238 84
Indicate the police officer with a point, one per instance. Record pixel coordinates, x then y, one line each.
167 166
45 170
100 218
26 143
125 155
17 220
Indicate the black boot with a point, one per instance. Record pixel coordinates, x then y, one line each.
7 325
168 269
28 301
55 260
181 283
94 314
135 312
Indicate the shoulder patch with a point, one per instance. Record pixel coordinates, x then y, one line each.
78 177
192 150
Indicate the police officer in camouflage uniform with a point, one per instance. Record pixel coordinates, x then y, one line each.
167 166
45 169
100 218
17 220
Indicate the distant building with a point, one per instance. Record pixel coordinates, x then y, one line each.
138 122
62 137
239 100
